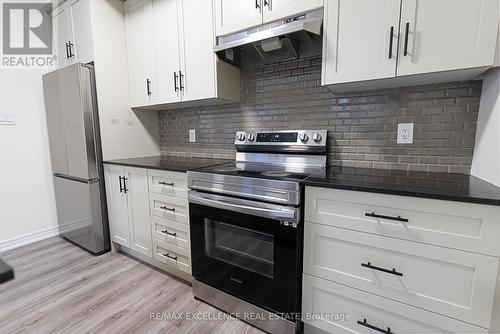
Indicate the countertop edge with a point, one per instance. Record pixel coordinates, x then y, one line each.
408 193
128 164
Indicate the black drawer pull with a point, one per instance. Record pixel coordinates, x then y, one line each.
170 257
392 272
166 183
167 209
169 233
365 324
398 218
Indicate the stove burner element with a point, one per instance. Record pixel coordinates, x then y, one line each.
275 173
226 169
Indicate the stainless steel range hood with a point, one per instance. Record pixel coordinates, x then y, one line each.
277 40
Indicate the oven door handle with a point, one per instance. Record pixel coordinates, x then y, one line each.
243 206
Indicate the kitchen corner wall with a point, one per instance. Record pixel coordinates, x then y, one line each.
362 125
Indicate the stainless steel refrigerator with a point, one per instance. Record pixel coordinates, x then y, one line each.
75 150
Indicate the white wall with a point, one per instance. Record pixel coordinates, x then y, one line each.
27 203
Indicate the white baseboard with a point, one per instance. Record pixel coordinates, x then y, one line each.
28 239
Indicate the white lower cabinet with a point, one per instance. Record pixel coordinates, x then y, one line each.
128 207
409 264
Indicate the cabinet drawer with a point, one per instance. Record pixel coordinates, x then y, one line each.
169 231
172 256
167 183
169 207
446 281
342 307
465 226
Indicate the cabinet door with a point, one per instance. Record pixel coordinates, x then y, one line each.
63 35
232 16
140 51
138 210
358 44
82 31
117 205
447 35
278 9
198 57
167 53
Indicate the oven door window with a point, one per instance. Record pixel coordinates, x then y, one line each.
241 247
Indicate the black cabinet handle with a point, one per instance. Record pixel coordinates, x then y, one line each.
390 42
169 233
366 324
170 257
125 185
167 209
392 272
175 82
407 31
166 183
257 5
121 187
70 45
67 50
398 218
181 77
268 4
148 87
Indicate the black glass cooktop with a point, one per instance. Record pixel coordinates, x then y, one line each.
262 170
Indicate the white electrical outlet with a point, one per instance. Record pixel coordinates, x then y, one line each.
405 133
7 118
192 136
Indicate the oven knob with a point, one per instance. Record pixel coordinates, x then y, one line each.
303 137
251 137
241 137
317 137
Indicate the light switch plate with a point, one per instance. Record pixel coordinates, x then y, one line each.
405 133
192 136
7 118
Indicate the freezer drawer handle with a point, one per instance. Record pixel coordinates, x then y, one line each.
167 209
170 257
398 218
166 183
392 272
169 233
366 324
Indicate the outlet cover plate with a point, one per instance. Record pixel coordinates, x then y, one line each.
192 136
405 133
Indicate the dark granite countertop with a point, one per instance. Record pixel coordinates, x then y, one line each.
168 163
444 186
6 272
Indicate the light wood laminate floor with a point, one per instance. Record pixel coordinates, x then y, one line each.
60 288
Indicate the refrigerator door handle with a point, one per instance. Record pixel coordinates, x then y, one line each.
77 179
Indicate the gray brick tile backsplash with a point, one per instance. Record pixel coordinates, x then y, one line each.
362 125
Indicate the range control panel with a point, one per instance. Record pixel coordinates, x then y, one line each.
301 138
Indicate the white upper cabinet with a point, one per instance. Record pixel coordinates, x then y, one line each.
278 9
389 43
171 58
166 42
73 33
140 51
447 35
354 51
232 16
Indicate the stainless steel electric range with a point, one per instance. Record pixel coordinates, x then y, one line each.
246 227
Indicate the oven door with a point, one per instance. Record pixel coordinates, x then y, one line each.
247 249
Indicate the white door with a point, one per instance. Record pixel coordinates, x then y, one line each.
360 40
117 205
278 9
167 53
63 35
232 16
140 51
82 31
136 184
198 57
446 35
